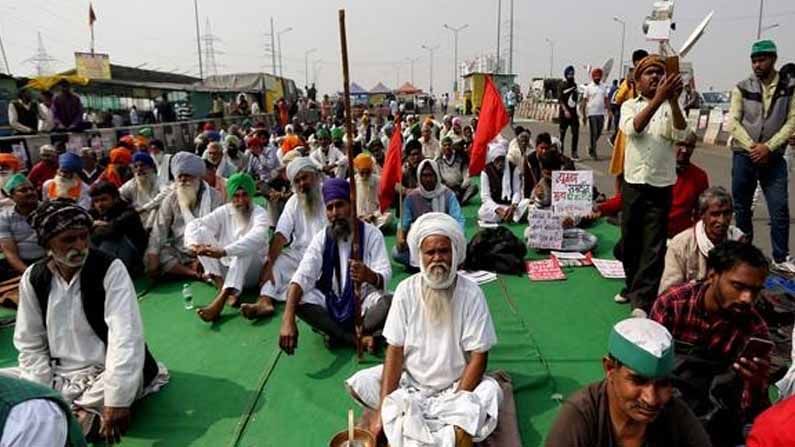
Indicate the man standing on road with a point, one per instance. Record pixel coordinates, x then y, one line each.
568 113
652 122
594 107
761 119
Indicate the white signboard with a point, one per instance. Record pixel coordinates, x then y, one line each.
544 230
572 193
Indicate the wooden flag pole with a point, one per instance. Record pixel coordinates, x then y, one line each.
358 324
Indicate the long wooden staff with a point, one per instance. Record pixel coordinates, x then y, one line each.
358 326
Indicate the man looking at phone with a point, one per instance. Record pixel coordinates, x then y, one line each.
712 322
652 123
761 119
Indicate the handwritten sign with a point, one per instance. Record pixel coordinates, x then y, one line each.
609 268
546 270
544 230
572 193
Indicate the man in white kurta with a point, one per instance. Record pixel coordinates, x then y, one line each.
321 291
145 191
64 351
328 158
367 206
431 390
302 218
501 193
231 243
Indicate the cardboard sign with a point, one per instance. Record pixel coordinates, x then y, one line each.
572 193
609 268
544 230
546 270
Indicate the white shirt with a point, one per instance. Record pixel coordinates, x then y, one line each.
35 422
649 156
69 338
311 266
430 148
162 162
435 355
595 95
147 202
84 201
297 227
236 240
334 157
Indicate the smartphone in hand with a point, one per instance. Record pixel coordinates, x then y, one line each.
757 347
672 66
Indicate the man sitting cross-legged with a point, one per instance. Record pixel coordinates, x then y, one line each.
17 239
146 190
67 183
635 403
191 198
79 328
302 218
322 290
686 257
231 243
431 389
367 181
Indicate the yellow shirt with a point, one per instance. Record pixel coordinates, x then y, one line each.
738 132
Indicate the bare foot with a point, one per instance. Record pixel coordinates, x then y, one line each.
368 343
261 309
213 311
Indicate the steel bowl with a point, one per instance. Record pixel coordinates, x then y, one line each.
363 436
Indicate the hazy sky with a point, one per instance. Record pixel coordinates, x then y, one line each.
383 34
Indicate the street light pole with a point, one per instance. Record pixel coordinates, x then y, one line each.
623 40
499 19
551 55
306 64
411 60
430 51
455 51
279 38
759 24
273 49
198 39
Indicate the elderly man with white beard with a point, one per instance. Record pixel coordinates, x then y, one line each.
303 216
190 199
67 183
327 157
145 191
501 192
322 290
431 389
367 206
231 243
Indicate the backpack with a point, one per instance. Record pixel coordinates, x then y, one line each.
496 249
92 295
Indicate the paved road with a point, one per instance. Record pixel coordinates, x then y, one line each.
715 160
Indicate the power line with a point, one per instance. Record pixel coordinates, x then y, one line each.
209 40
41 58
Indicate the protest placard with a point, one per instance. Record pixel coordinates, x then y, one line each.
609 268
545 270
544 230
572 193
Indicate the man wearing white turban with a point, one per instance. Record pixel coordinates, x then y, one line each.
431 389
191 198
303 216
430 196
500 185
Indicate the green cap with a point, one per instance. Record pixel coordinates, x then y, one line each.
643 346
322 133
240 180
336 133
763 47
13 182
146 132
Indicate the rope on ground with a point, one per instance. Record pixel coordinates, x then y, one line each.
246 417
536 347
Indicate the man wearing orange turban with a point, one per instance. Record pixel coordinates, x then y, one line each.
367 206
118 171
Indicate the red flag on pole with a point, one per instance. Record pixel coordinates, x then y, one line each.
493 117
91 16
393 168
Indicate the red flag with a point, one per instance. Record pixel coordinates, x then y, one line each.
393 168
493 117
91 16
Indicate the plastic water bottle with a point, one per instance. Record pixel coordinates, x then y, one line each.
187 296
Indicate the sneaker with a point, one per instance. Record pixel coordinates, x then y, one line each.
620 299
575 158
638 313
785 266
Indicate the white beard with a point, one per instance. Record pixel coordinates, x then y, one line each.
309 201
241 218
145 182
437 304
63 185
187 194
364 192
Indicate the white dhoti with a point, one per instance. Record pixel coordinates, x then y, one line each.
85 388
413 417
239 272
488 211
283 270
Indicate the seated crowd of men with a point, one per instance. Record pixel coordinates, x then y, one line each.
193 216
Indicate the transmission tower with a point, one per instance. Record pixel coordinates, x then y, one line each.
209 40
41 59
